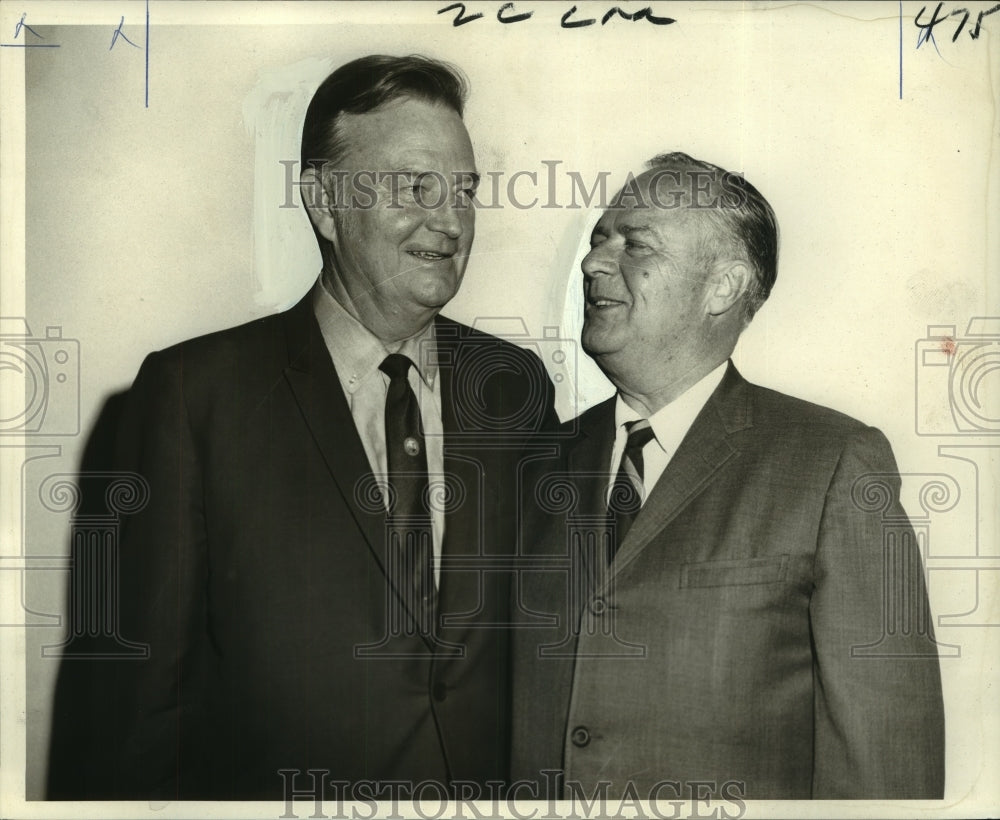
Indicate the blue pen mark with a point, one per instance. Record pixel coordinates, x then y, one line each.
22 26
927 29
119 33
927 35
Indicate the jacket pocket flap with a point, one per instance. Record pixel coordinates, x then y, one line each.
767 570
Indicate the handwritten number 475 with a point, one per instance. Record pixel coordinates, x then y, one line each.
506 14
927 29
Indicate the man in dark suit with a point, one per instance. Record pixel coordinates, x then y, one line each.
317 571
739 608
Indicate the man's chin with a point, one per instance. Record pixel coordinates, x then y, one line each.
437 292
596 344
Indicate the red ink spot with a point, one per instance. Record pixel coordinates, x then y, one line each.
948 345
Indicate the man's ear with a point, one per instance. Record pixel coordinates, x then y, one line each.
319 202
727 283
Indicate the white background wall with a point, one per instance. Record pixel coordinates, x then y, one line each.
145 226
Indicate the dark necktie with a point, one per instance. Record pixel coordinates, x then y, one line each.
411 546
626 493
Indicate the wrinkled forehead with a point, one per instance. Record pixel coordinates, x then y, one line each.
680 188
408 127
638 204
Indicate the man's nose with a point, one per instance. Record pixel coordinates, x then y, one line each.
449 218
598 261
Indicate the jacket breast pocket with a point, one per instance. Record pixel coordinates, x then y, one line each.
742 571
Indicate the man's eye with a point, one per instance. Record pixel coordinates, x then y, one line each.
633 246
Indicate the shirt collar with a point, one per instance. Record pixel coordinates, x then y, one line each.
357 352
671 423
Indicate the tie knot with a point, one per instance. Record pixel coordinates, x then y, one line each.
640 433
395 365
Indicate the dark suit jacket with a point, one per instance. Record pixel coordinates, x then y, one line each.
764 622
257 574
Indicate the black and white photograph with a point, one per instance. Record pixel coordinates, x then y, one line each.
529 409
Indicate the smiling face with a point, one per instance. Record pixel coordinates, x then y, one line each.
401 231
646 320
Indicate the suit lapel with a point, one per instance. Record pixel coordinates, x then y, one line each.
313 379
464 533
704 450
589 457
588 463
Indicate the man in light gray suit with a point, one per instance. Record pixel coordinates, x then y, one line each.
739 606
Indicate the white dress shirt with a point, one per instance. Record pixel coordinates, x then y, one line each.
670 424
357 354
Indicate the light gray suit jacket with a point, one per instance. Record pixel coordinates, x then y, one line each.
763 625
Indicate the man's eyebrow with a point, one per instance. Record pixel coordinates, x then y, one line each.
630 229
457 176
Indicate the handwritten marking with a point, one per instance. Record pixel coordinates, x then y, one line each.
460 19
974 34
22 26
463 17
119 33
927 29
641 14
565 22
514 18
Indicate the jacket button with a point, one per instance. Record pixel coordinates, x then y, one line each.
580 736
598 606
440 691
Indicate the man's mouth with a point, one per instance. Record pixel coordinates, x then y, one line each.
431 256
603 304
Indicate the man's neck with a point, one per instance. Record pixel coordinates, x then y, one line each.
651 394
392 330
